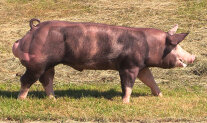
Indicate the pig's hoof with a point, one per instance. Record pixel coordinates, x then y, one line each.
21 98
125 101
52 97
160 95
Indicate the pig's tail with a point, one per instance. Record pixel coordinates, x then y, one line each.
31 22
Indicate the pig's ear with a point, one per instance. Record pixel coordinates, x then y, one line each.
173 30
176 38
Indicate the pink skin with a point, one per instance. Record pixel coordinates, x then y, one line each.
18 53
147 78
14 49
182 56
126 98
23 92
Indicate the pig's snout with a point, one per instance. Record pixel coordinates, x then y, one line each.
184 57
192 59
182 62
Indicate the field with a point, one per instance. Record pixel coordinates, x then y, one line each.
95 96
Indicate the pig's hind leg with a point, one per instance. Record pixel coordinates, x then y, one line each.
147 78
29 77
47 81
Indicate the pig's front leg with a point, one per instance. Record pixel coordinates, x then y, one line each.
47 81
127 77
147 78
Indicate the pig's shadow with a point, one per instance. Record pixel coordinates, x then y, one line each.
72 93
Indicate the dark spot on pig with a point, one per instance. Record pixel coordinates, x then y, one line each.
54 48
104 44
167 50
127 39
86 48
73 35
136 49
131 41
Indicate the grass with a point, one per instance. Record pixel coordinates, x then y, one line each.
102 102
95 95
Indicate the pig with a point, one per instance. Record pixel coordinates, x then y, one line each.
92 46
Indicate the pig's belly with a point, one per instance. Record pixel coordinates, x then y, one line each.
94 65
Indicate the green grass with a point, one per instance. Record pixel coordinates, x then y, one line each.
95 95
102 102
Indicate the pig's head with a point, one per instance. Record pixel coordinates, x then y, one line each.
169 53
174 55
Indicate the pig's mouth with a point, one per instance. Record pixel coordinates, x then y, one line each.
182 63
